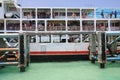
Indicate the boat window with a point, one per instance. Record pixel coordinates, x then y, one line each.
74 38
29 25
56 38
32 39
114 25
59 38
102 25
43 13
73 13
28 13
44 38
58 13
87 13
13 25
88 25
63 38
107 13
73 25
56 25
41 25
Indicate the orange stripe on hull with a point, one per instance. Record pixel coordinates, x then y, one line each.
60 53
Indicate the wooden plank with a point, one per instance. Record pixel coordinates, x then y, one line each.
8 49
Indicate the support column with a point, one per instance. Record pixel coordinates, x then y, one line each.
102 48
21 53
92 47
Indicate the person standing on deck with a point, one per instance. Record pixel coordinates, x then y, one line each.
111 14
115 13
102 14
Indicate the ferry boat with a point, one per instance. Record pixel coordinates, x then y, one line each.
58 27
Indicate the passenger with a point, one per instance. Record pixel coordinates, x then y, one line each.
91 27
33 14
52 26
107 16
102 14
83 15
73 15
40 27
29 16
25 26
38 14
102 27
53 14
115 14
48 14
60 26
111 14
32 27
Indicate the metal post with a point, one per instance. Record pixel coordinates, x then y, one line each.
21 53
26 48
102 48
92 47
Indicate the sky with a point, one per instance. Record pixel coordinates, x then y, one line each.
71 3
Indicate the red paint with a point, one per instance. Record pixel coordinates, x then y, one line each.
60 53
63 52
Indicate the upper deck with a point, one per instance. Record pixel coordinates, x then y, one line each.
15 18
